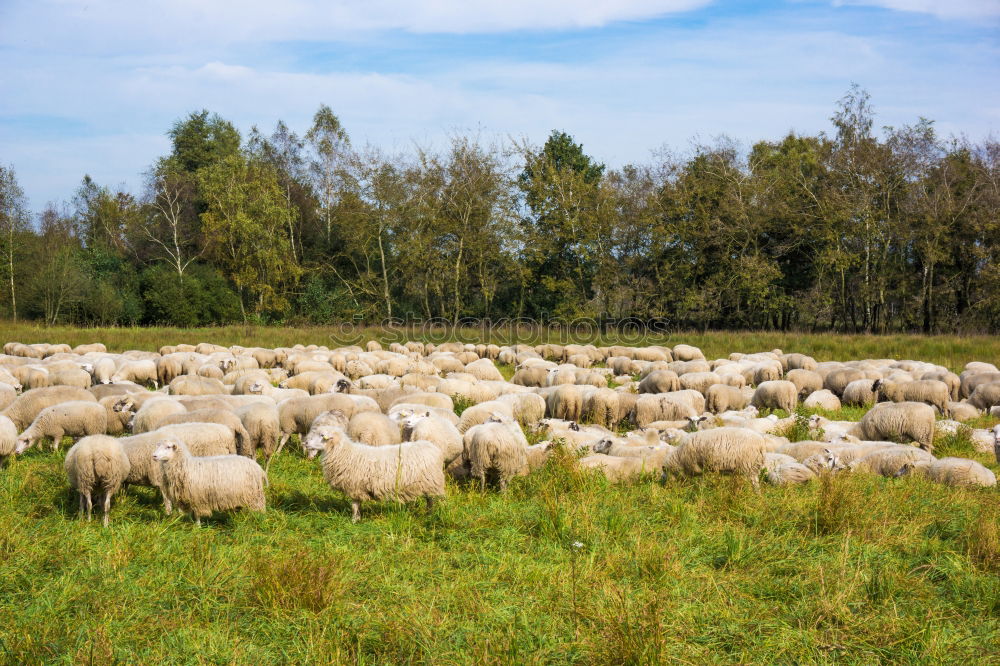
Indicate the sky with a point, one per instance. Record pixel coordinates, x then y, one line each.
91 87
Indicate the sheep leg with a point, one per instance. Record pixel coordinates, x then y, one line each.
107 507
355 510
482 483
430 503
90 506
82 505
503 484
197 520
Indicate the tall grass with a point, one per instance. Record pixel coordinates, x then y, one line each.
563 568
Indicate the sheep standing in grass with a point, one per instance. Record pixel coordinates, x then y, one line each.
438 431
822 399
28 405
8 439
929 391
204 485
373 429
96 467
722 398
495 448
985 396
77 418
723 450
403 472
897 420
776 394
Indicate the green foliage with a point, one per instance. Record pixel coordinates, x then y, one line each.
201 298
201 140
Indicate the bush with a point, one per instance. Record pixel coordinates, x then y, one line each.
203 297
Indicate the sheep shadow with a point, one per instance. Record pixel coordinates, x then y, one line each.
295 501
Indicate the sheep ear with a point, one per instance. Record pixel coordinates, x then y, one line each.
427 413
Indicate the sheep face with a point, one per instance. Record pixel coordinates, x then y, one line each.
165 450
23 444
410 422
343 386
317 441
257 387
123 404
815 421
603 446
695 421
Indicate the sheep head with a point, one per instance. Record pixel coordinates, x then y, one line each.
603 446
23 444
257 387
343 386
165 450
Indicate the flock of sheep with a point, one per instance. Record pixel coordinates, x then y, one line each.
192 421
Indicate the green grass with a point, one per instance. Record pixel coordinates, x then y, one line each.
948 350
856 570
853 569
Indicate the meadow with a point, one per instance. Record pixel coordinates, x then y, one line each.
563 568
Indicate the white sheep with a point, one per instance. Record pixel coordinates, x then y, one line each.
889 460
96 467
402 472
138 371
822 399
617 469
442 433
495 448
724 450
895 420
789 473
77 418
373 429
204 485
776 394
722 398
929 391
8 439
27 405
858 393
951 472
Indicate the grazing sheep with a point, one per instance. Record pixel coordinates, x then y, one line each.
789 473
196 385
438 431
699 381
837 380
481 413
858 393
951 472
138 371
151 412
495 449
929 391
973 380
373 429
438 400
296 415
27 405
986 396
526 408
96 467
687 353
203 485
334 417
77 418
889 460
617 469
74 377
822 399
724 450
896 420
722 398
962 411
8 394
806 381
263 427
660 381
8 439
951 380
797 362
119 414
402 472
776 394
673 406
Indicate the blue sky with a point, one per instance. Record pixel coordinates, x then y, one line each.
92 87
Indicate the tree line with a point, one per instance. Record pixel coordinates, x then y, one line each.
855 229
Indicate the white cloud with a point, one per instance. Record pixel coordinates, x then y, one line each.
946 9
116 26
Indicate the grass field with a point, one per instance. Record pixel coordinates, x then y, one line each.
948 350
564 568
